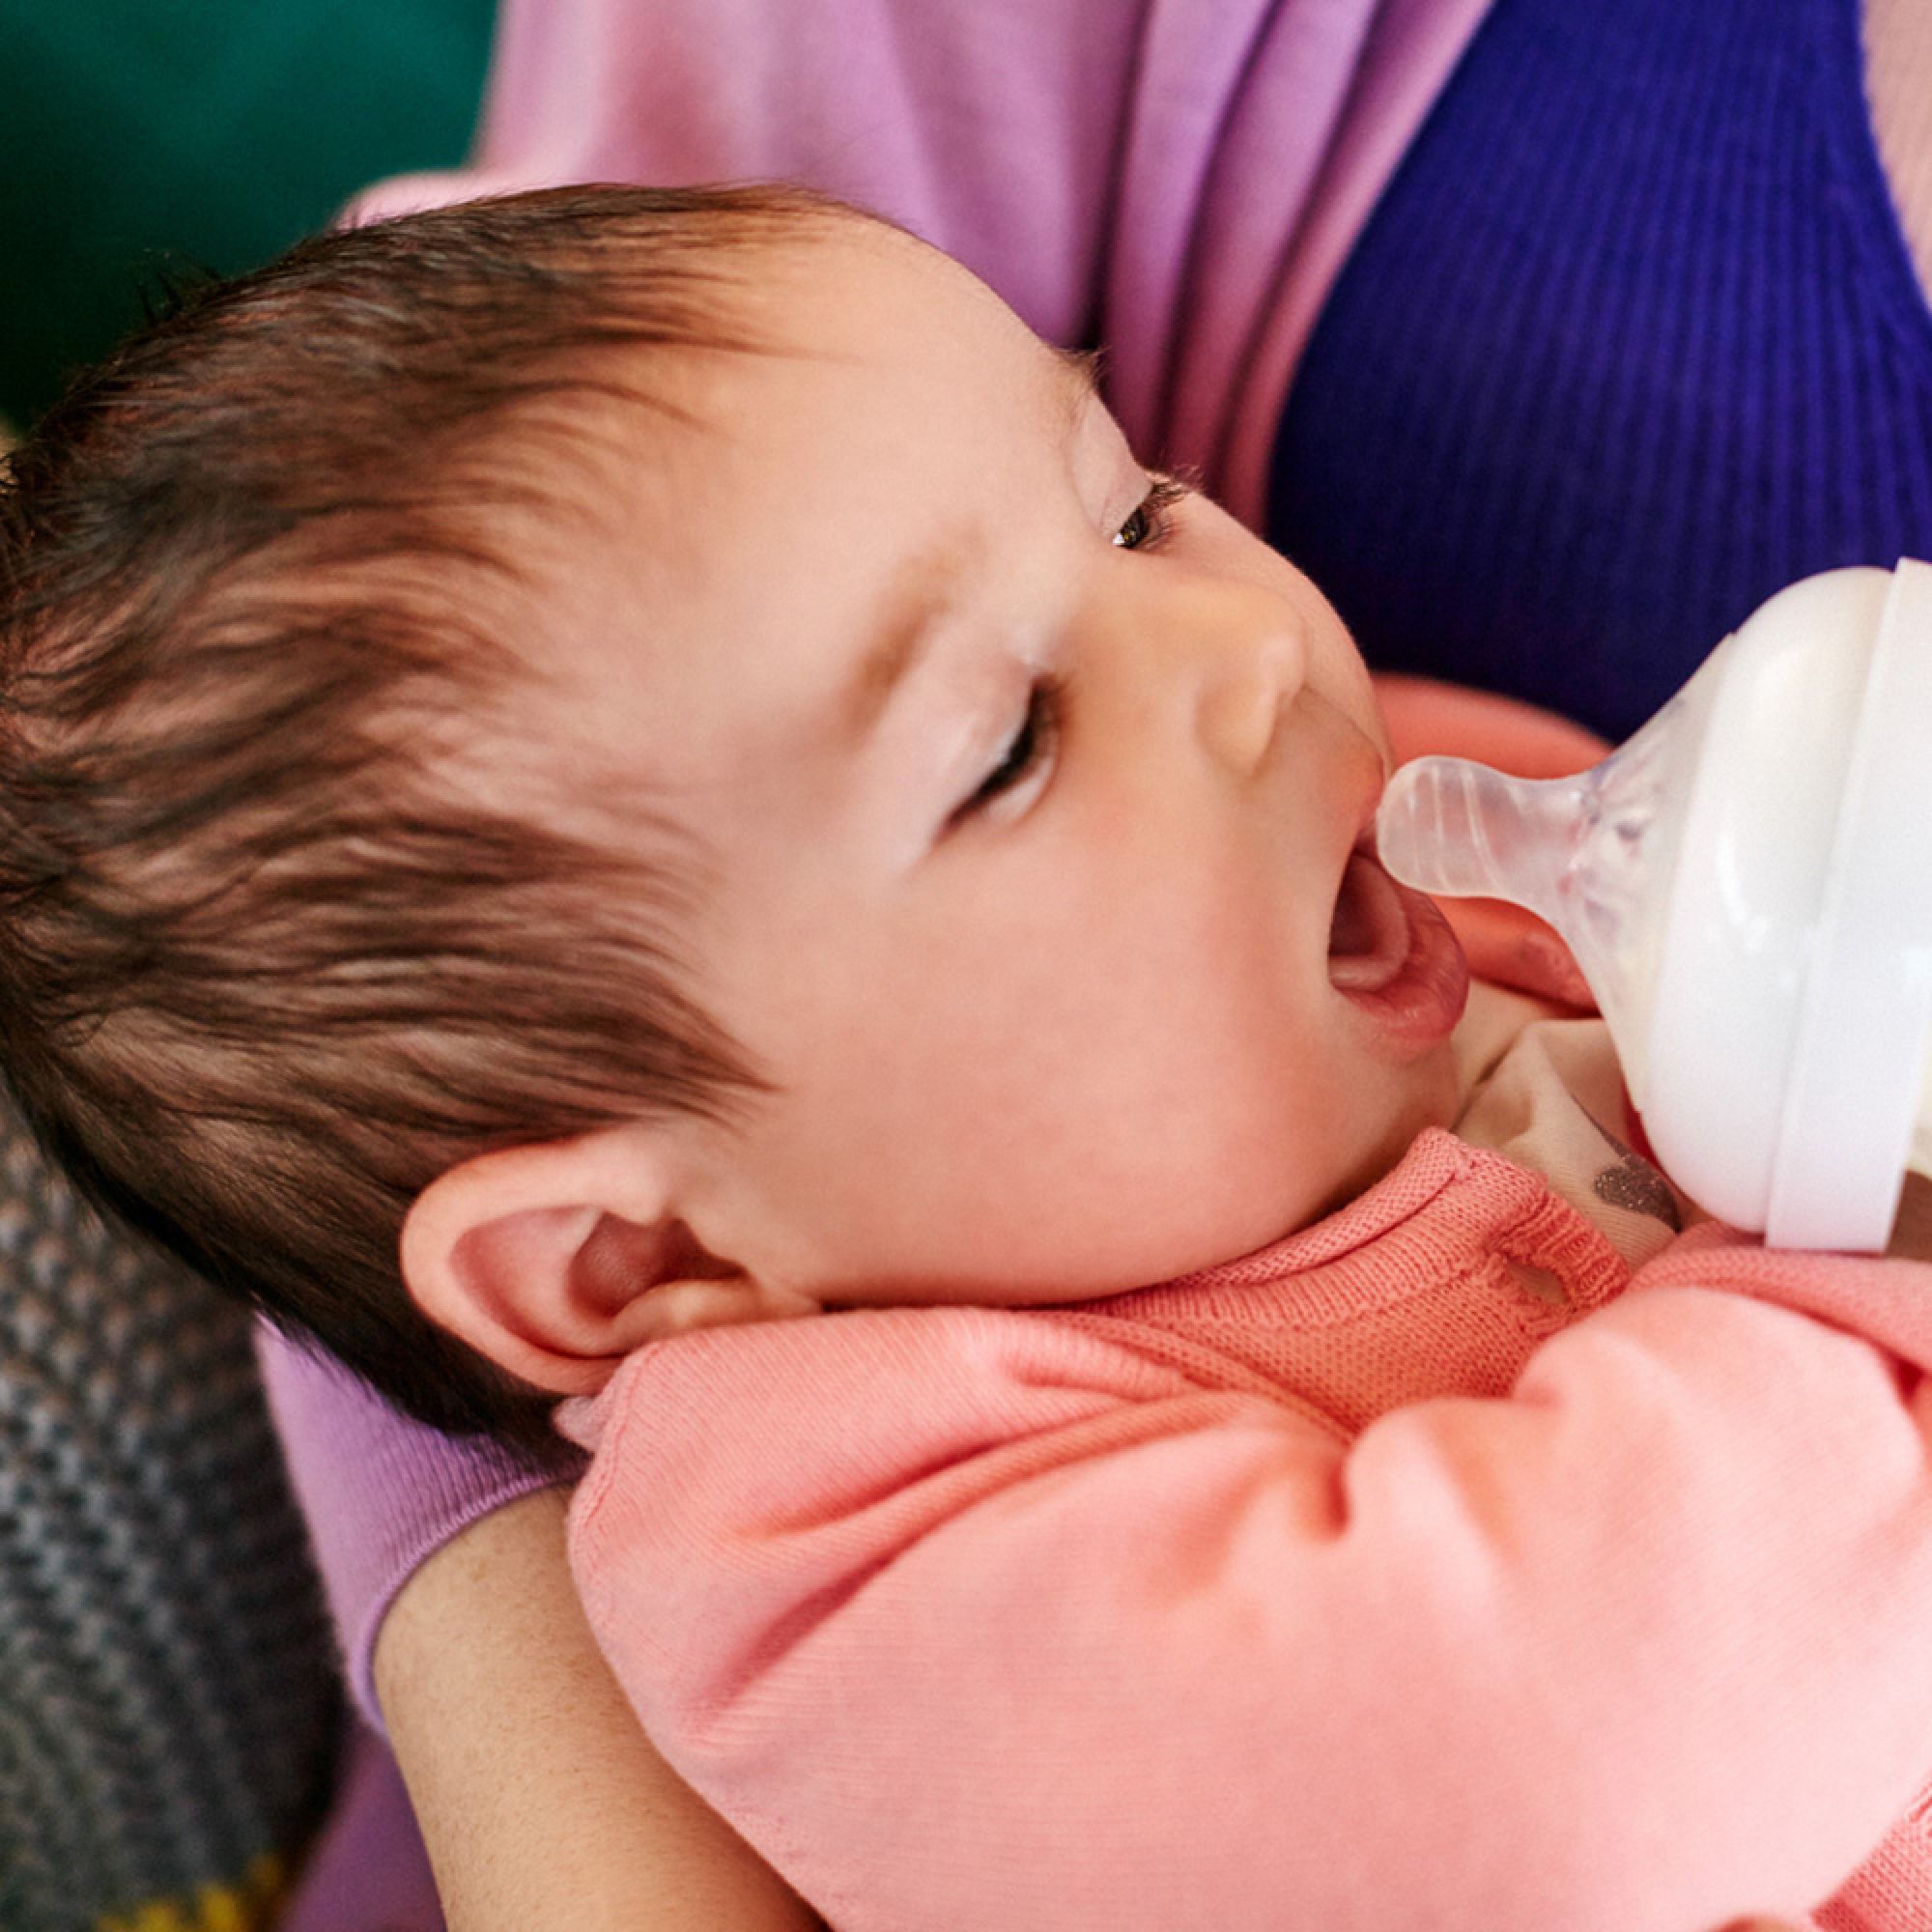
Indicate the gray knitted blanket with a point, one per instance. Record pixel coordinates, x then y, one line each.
168 1710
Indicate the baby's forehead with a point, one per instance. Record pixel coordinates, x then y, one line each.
689 521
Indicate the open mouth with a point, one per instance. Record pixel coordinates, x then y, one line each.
1369 934
1393 954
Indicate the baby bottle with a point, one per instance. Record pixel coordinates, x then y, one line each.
1747 886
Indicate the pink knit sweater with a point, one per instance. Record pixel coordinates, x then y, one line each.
1426 1570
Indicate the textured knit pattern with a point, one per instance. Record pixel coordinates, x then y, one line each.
1426 1571
168 1714
1633 340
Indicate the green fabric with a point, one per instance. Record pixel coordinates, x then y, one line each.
208 132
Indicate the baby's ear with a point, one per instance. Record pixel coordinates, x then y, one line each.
555 1260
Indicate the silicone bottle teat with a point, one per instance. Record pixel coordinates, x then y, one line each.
1587 853
1747 886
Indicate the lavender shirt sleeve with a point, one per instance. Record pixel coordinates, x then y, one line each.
1179 181
381 1491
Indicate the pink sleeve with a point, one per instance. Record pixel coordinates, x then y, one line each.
974 1619
380 1492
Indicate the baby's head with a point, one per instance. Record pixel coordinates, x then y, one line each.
658 753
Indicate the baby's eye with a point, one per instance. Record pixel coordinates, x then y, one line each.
1029 750
1152 523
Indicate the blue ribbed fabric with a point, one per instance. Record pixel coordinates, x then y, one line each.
1633 340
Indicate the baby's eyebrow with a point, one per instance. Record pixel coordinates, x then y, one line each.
909 614
1083 386
918 595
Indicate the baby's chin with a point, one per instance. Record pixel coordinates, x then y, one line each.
1429 1096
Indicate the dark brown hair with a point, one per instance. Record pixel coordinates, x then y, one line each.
263 976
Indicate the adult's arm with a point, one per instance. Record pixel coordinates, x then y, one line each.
1069 1641
540 1801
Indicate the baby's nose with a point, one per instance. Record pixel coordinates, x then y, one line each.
1249 676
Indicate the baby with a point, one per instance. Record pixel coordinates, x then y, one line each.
659 757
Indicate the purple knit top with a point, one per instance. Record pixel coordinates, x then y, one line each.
1633 340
